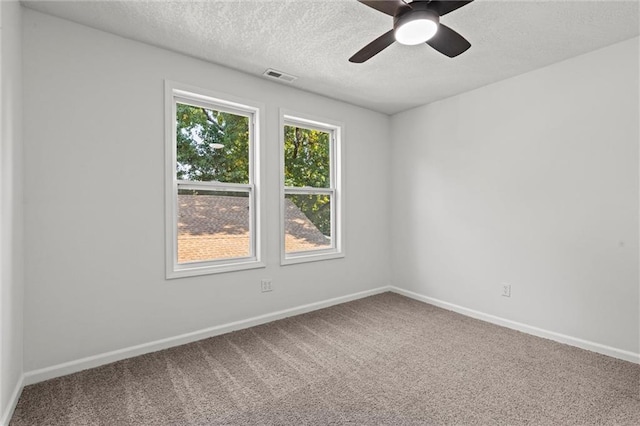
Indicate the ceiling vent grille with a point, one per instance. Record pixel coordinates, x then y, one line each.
279 75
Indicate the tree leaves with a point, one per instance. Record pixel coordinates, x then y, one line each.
198 133
307 163
306 157
201 131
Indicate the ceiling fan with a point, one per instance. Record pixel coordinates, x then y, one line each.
414 23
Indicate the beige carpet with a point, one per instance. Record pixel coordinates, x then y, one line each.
385 359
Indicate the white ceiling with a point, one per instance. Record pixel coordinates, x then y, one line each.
313 40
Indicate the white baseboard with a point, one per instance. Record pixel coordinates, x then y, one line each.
551 335
15 396
70 367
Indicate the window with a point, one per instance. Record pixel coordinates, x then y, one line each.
311 192
212 191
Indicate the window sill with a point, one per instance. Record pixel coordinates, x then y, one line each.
205 269
302 257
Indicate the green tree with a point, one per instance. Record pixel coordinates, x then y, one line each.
307 163
306 154
214 146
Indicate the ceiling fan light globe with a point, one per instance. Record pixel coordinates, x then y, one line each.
415 25
415 31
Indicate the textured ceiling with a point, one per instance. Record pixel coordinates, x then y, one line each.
313 39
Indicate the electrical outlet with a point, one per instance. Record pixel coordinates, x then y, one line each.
265 285
506 290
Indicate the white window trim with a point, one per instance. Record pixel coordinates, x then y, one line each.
194 95
288 117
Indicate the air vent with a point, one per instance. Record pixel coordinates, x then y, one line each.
279 75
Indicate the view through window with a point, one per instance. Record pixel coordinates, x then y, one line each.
212 191
214 210
309 188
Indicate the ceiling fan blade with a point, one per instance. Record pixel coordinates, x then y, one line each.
448 42
385 6
373 48
442 7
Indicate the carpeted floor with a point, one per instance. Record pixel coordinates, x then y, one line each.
385 359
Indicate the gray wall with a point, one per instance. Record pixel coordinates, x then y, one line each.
11 213
531 181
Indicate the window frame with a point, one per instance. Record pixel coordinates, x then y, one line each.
190 95
335 189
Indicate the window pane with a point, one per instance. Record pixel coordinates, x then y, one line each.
307 222
306 157
213 225
211 145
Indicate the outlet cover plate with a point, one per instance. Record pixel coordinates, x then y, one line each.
506 290
265 285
